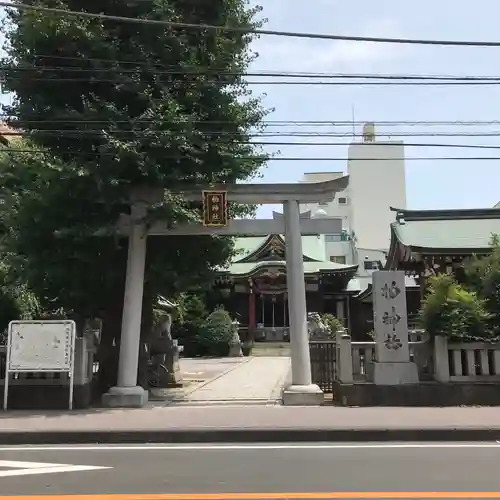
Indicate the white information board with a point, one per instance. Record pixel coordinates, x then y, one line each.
40 346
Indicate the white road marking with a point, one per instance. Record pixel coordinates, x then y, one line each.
201 447
27 465
18 468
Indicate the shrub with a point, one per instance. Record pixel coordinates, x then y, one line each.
188 319
450 310
332 323
187 335
217 333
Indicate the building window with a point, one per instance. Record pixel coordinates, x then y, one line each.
372 265
332 238
342 201
323 204
338 259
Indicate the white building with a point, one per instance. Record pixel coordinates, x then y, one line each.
376 172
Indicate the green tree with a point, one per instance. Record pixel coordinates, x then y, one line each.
478 268
450 310
113 105
483 277
191 309
16 300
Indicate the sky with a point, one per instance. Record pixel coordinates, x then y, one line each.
430 184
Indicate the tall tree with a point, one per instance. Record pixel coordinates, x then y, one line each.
113 105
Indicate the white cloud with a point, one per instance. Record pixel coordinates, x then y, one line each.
292 54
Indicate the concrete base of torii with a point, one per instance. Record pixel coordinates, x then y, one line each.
125 397
302 395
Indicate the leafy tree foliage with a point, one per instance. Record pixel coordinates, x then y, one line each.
114 105
483 276
450 310
470 310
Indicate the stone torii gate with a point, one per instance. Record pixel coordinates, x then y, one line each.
302 391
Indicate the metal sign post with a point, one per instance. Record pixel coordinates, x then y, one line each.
40 346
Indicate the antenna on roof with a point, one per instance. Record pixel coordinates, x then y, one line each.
353 122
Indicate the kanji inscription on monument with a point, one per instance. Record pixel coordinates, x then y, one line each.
390 317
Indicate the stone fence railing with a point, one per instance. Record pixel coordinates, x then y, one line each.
350 362
466 362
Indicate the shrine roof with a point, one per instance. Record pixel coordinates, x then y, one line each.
249 268
366 287
446 230
255 253
312 246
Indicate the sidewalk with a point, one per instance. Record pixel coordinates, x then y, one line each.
251 424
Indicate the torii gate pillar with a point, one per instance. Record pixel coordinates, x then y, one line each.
126 393
302 391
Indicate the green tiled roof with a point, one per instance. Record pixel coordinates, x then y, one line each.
245 268
446 229
247 245
313 248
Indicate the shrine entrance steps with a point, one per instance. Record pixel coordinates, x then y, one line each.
273 349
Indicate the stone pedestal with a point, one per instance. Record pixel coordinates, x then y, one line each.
175 375
303 395
395 373
235 350
125 397
235 346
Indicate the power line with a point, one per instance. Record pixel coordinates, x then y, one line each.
275 123
274 82
224 70
248 30
288 134
221 133
76 134
280 158
256 73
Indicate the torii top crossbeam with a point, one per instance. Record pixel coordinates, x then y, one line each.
258 194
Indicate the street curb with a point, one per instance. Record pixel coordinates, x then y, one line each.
242 435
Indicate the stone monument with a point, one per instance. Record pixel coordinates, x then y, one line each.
316 329
392 354
165 351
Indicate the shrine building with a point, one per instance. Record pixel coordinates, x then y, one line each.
423 243
254 284
427 242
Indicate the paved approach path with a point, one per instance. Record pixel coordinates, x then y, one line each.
259 380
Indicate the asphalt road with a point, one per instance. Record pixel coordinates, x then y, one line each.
267 469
